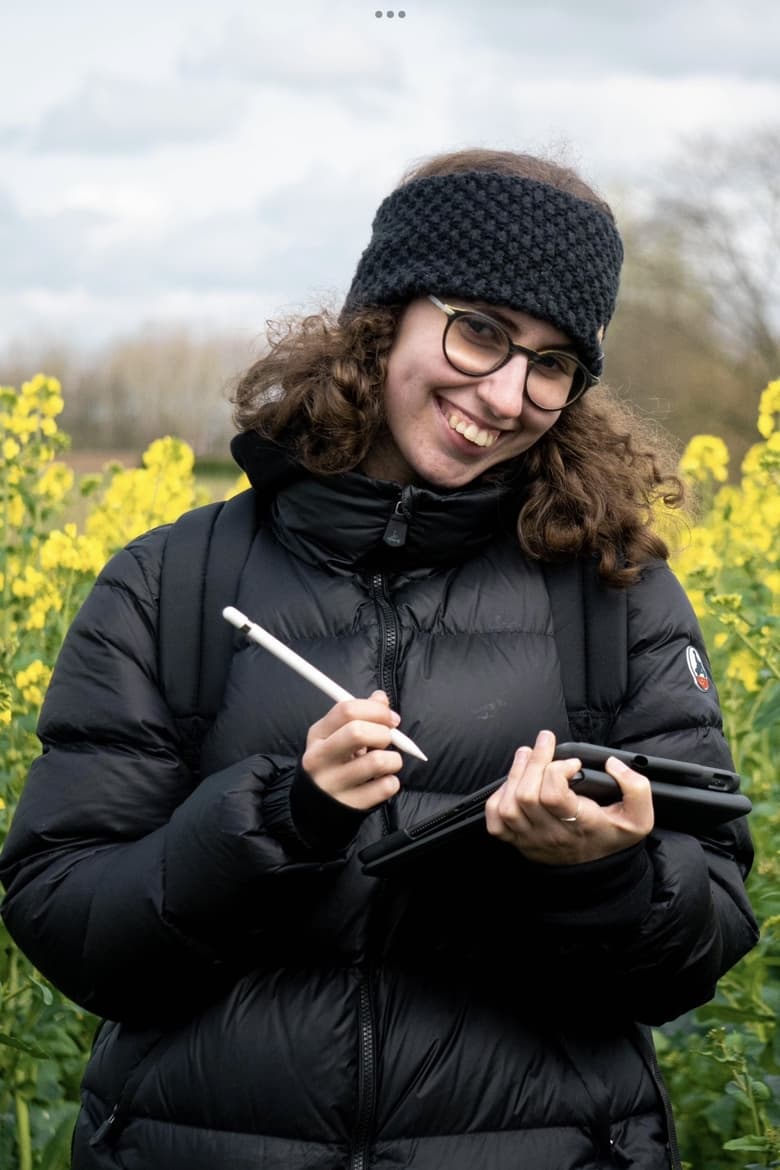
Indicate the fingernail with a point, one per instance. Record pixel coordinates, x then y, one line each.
616 765
544 738
395 718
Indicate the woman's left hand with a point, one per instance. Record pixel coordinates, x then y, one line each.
536 811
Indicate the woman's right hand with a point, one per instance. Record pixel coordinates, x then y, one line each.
346 752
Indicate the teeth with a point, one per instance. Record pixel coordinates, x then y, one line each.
470 430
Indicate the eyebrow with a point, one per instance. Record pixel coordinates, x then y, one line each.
512 326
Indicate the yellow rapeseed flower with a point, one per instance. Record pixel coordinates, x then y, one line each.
11 449
32 682
55 482
28 583
706 457
14 511
768 407
66 549
743 667
51 406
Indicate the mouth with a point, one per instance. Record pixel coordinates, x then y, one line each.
463 424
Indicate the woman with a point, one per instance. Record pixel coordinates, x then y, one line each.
267 1003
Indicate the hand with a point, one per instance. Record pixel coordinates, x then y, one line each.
528 810
345 752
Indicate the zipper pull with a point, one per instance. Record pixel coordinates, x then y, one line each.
103 1130
397 527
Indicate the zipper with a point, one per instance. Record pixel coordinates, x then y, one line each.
389 637
398 525
647 1048
674 1148
358 1159
109 1130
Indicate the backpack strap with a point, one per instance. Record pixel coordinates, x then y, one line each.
204 555
590 623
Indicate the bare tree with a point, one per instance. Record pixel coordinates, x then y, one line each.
722 198
697 332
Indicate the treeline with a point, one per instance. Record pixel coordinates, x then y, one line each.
696 335
160 381
697 332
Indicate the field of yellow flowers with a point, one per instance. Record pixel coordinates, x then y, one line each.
722 1062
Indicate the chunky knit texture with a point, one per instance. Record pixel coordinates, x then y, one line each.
499 238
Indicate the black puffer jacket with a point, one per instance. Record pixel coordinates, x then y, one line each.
271 1006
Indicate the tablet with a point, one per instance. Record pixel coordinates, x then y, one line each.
684 807
659 768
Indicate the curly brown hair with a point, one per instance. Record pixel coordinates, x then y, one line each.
594 478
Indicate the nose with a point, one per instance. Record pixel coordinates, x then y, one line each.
503 391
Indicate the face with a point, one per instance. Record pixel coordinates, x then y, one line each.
445 428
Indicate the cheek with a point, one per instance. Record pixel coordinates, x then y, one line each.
545 422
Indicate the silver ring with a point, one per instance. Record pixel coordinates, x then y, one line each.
572 820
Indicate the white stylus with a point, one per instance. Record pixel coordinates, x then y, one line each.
257 634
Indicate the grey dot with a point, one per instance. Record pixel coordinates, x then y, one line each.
401 14
390 13
378 15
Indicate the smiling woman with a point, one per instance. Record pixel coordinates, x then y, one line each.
420 469
530 242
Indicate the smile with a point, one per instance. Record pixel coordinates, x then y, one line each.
469 429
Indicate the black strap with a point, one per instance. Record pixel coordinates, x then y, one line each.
204 555
590 622
206 551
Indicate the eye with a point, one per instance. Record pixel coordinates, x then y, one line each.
482 332
556 364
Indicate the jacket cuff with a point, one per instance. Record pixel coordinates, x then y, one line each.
614 892
300 814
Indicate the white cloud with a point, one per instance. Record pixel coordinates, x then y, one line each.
299 50
108 115
227 160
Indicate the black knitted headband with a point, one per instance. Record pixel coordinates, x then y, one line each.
499 238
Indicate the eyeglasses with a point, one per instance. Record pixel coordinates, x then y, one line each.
476 345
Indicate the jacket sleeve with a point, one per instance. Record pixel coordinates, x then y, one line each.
136 892
652 929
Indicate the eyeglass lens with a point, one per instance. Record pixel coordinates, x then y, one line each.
475 345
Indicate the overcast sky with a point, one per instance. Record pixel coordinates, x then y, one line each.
217 163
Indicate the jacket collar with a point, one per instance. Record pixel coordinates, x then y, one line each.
352 522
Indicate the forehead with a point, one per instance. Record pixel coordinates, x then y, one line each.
516 322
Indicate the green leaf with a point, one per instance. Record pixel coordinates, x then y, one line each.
761 1091
738 1094
753 1142
28 1049
56 1152
45 991
766 711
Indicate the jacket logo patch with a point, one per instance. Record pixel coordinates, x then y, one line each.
698 669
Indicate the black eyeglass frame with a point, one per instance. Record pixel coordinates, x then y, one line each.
533 356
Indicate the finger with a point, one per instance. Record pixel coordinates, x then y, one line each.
636 806
339 778
346 743
555 793
370 794
524 791
373 709
527 772
502 807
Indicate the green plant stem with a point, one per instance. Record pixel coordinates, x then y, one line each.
743 1080
23 1136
